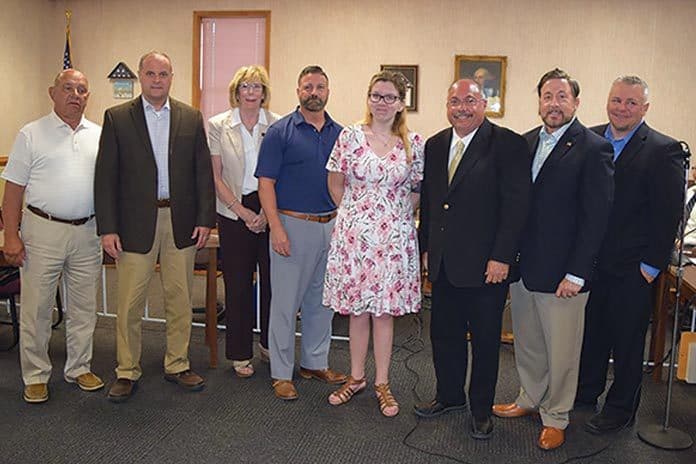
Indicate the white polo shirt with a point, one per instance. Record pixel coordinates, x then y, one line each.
56 165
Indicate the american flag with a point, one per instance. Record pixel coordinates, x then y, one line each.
67 59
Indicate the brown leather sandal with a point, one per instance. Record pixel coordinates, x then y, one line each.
386 400
347 390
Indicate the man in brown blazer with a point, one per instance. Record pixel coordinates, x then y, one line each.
154 198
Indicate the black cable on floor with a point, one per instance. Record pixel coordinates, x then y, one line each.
417 338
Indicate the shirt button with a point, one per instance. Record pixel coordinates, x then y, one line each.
442 229
445 206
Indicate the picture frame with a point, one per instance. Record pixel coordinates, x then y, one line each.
489 72
410 72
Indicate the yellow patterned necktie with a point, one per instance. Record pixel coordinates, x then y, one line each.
458 152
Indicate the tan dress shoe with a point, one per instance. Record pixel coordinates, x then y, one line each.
87 381
36 393
325 375
511 410
551 438
285 390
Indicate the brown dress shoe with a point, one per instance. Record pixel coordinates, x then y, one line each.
511 410
551 438
188 380
284 389
325 375
121 390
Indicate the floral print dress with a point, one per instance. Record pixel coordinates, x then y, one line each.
373 262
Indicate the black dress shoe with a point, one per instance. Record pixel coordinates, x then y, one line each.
481 429
608 421
434 408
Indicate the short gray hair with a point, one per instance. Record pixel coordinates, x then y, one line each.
634 80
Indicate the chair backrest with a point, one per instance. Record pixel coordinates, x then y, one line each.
9 281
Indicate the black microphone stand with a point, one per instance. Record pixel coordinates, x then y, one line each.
663 436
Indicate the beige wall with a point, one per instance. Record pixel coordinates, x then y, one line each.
594 40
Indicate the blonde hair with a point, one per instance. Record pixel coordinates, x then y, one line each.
399 127
250 73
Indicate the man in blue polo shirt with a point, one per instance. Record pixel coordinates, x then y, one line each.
295 198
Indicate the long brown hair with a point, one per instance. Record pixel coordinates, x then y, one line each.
399 127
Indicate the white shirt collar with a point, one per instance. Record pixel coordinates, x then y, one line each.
148 106
60 123
236 118
466 139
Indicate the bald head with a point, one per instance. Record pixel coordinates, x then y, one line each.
69 92
466 106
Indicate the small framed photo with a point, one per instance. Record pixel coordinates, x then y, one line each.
410 72
489 73
122 89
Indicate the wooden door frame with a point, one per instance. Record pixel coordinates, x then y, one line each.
197 20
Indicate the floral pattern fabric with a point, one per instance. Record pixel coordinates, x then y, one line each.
373 262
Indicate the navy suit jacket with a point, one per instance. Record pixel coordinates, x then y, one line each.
480 215
648 202
571 202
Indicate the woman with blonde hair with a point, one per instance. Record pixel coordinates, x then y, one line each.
373 269
234 138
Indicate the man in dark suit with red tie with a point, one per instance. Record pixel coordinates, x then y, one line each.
571 199
474 203
648 203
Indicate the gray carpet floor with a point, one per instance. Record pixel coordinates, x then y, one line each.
239 420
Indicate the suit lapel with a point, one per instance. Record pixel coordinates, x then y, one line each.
174 124
562 148
473 153
138 114
234 135
633 147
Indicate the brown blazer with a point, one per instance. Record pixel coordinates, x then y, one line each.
125 181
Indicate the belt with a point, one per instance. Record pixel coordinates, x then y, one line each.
163 203
50 217
309 217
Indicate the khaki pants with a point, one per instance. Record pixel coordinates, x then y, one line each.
548 341
134 272
52 249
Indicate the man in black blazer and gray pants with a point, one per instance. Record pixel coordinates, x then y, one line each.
474 203
571 200
648 202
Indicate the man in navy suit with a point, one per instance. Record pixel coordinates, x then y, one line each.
474 202
572 193
648 203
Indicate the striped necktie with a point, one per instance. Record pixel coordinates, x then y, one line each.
458 153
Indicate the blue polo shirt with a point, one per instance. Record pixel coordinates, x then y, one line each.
294 153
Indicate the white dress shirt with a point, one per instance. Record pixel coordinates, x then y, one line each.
158 128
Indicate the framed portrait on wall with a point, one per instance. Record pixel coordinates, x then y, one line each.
489 73
410 72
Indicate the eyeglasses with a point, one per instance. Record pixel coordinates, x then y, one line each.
388 99
251 86
468 101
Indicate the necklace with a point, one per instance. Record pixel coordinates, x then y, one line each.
384 139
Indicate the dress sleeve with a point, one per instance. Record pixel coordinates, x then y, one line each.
417 150
340 155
